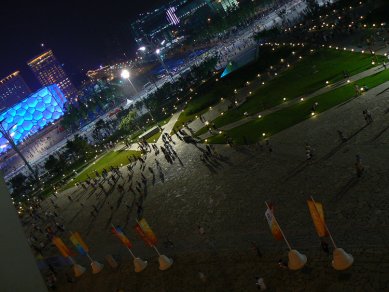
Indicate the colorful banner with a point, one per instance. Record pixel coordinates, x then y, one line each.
317 214
145 232
119 234
80 245
274 228
63 249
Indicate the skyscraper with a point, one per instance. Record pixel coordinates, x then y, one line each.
13 89
49 71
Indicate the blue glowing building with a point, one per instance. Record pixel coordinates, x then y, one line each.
32 114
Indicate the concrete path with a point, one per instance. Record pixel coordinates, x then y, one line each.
323 90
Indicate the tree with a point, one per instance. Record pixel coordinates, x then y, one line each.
54 165
79 148
128 123
18 184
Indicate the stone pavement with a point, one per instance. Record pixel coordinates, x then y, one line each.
226 196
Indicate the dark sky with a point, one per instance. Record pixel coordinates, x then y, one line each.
82 34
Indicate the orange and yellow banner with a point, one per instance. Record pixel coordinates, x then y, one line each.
274 228
63 249
80 245
317 214
145 232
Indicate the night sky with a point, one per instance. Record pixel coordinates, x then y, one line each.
82 34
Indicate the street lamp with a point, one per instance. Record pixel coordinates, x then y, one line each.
125 74
159 56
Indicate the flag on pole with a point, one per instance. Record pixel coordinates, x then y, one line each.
145 232
63 249
317 214
80 245
119 234
274 227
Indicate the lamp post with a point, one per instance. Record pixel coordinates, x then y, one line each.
157 52
8 136
126 75
160 59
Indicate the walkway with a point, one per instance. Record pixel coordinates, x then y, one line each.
323 90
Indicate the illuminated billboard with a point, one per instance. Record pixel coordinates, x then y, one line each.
171 16
32 114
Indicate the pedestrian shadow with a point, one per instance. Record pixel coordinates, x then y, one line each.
210 168
225 159
213 162
90 226
243 150
379 134
347 187
119 201
109 220
340 146
75 215
179 160
161 175
300 168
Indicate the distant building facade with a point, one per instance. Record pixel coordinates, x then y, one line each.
170 21
32 114
49 71
13 89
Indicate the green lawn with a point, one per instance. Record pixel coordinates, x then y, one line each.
210 93
154 138
287 117
114 158
303 78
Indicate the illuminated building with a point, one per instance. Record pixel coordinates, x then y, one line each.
167 21
49 71
13 88
164 25
228 4
32 114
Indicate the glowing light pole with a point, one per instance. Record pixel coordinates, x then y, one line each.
159 56
126 75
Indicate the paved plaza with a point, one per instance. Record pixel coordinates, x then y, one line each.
226 197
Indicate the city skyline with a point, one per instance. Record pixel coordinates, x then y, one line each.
82 40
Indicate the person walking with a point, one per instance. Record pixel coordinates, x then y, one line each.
201 230
256 249
359 166
260 283
308 151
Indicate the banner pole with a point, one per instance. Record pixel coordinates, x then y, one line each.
129 249
324 223
72 260
87 254
282 233
156 250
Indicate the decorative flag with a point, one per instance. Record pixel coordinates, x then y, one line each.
274 228
145 232
317 214
63 249
119 234
80 245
